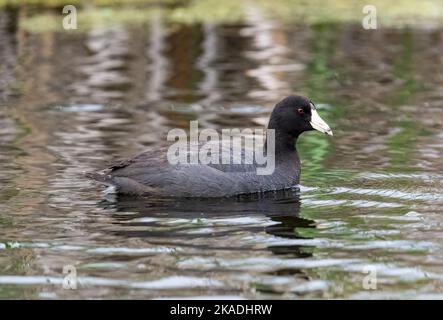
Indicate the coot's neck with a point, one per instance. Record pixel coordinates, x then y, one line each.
285 145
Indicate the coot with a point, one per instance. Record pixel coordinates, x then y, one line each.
152 173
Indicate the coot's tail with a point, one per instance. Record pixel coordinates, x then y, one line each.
106 179
122 185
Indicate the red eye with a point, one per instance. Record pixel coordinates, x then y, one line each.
301 111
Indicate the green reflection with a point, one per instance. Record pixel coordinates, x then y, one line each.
315 148
402 144
403 12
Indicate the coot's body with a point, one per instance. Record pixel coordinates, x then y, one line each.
150 173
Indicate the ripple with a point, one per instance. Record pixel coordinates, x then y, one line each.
161 284
261 263
115 250
79 108
390 193
409 176
351 203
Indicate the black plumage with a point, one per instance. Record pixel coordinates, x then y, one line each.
150 173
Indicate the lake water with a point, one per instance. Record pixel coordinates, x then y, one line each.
371 196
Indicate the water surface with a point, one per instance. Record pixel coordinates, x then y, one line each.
370 197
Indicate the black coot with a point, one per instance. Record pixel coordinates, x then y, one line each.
150 173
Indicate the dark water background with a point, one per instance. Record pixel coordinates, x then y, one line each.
371 196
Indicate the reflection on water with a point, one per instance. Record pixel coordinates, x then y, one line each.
370 197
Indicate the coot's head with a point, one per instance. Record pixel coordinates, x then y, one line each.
294 115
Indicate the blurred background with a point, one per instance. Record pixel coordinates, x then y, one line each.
73 100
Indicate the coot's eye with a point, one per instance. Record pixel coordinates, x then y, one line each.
301 111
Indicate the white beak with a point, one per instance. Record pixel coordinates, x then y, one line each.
318 123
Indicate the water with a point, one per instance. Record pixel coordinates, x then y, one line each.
370 197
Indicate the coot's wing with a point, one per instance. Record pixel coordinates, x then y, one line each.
151 172
158 158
